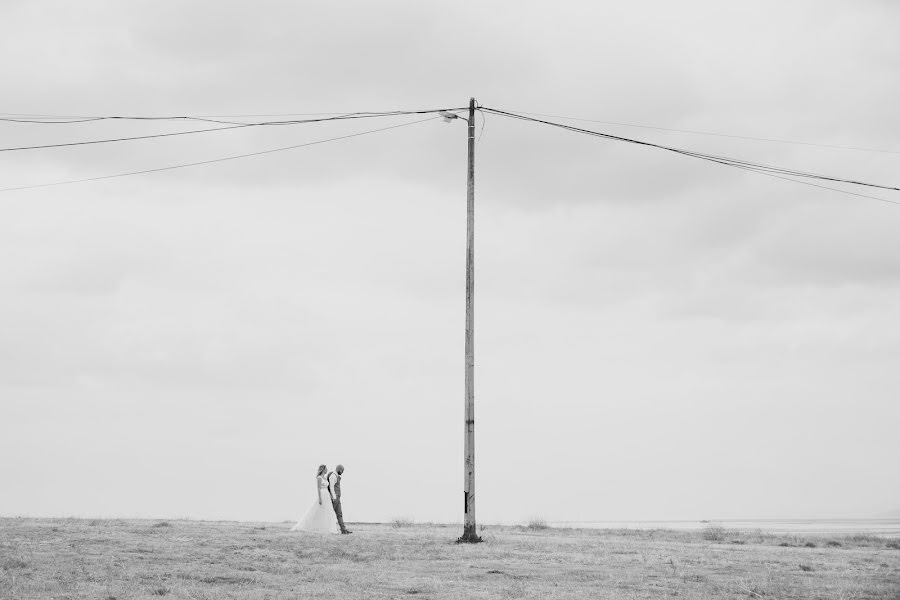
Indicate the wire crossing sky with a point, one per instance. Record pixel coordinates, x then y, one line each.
232 124
778 172
764 169
710 133
216 160
331 116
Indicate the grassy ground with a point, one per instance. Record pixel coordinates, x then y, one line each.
115 559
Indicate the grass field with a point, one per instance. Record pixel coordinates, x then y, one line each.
118 559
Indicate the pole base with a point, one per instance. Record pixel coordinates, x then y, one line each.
469 536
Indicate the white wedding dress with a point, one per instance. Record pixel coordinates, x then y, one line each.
319 518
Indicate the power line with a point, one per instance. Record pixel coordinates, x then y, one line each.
55 121
725 135
125 139
825 187
44 118
761 168
232 126
215 160
771 170
64 120
67 119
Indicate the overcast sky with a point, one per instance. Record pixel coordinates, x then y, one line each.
656 337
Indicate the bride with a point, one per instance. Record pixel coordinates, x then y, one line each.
320 516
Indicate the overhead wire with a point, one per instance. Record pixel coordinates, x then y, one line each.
483 122
710 133
51 119
55 121
761 168
771 170
123 139
340 117
63 120
216 160
66 119
834 189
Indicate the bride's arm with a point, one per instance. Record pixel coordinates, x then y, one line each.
319 489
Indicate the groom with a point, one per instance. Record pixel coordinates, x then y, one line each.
334 488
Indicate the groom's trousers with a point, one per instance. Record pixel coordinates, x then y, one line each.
336 503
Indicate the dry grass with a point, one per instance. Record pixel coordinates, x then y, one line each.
536 524
398 522
75 559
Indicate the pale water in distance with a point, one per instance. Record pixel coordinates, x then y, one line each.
888 527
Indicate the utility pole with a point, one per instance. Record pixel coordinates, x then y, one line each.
469 535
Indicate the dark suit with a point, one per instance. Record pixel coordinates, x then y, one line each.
336 503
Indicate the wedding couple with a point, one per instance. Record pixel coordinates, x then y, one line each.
321 515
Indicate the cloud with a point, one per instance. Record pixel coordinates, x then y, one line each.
662 323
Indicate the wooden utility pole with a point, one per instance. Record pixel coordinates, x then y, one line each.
469 535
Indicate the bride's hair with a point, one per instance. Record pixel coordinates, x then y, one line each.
321 471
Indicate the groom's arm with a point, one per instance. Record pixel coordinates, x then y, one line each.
331 480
